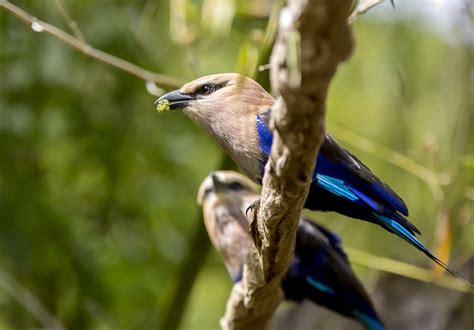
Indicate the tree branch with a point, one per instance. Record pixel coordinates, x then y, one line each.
69 21
313 38
40 26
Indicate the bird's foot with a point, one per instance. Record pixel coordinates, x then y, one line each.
253 227
253 207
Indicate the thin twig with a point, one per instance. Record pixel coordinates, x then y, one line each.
26 299
70 22
40 26
404 269
429 177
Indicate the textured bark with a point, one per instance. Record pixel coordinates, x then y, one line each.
313 38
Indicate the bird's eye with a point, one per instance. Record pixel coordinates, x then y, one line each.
207 192
235 186
207 89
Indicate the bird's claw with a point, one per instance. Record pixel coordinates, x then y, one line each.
253 207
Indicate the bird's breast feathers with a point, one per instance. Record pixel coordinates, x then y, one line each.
236 132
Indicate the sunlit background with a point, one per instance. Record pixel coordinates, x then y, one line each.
98 214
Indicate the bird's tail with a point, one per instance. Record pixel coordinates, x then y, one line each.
370 322
397 228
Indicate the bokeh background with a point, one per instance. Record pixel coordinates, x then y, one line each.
99 226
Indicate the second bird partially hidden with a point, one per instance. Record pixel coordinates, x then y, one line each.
319 271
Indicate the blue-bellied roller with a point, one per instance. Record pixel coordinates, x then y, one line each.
235 111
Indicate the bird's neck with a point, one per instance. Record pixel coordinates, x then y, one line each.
236 133
228 231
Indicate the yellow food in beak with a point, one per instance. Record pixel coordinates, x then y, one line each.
163 106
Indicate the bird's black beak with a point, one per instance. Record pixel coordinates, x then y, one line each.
217 185
176 99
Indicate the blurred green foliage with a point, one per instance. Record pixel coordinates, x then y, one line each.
97 192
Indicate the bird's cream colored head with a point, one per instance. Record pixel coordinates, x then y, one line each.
224 197
226 107
227 187
203 97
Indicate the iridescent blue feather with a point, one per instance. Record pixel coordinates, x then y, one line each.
343 184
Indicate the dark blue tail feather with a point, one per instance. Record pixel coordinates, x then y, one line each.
370 322
395 227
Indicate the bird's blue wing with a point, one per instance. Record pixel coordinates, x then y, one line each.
342 183
336 162
333 239
264 133
320 272
353 189
341 173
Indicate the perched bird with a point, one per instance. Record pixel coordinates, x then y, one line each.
235 110
319 271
